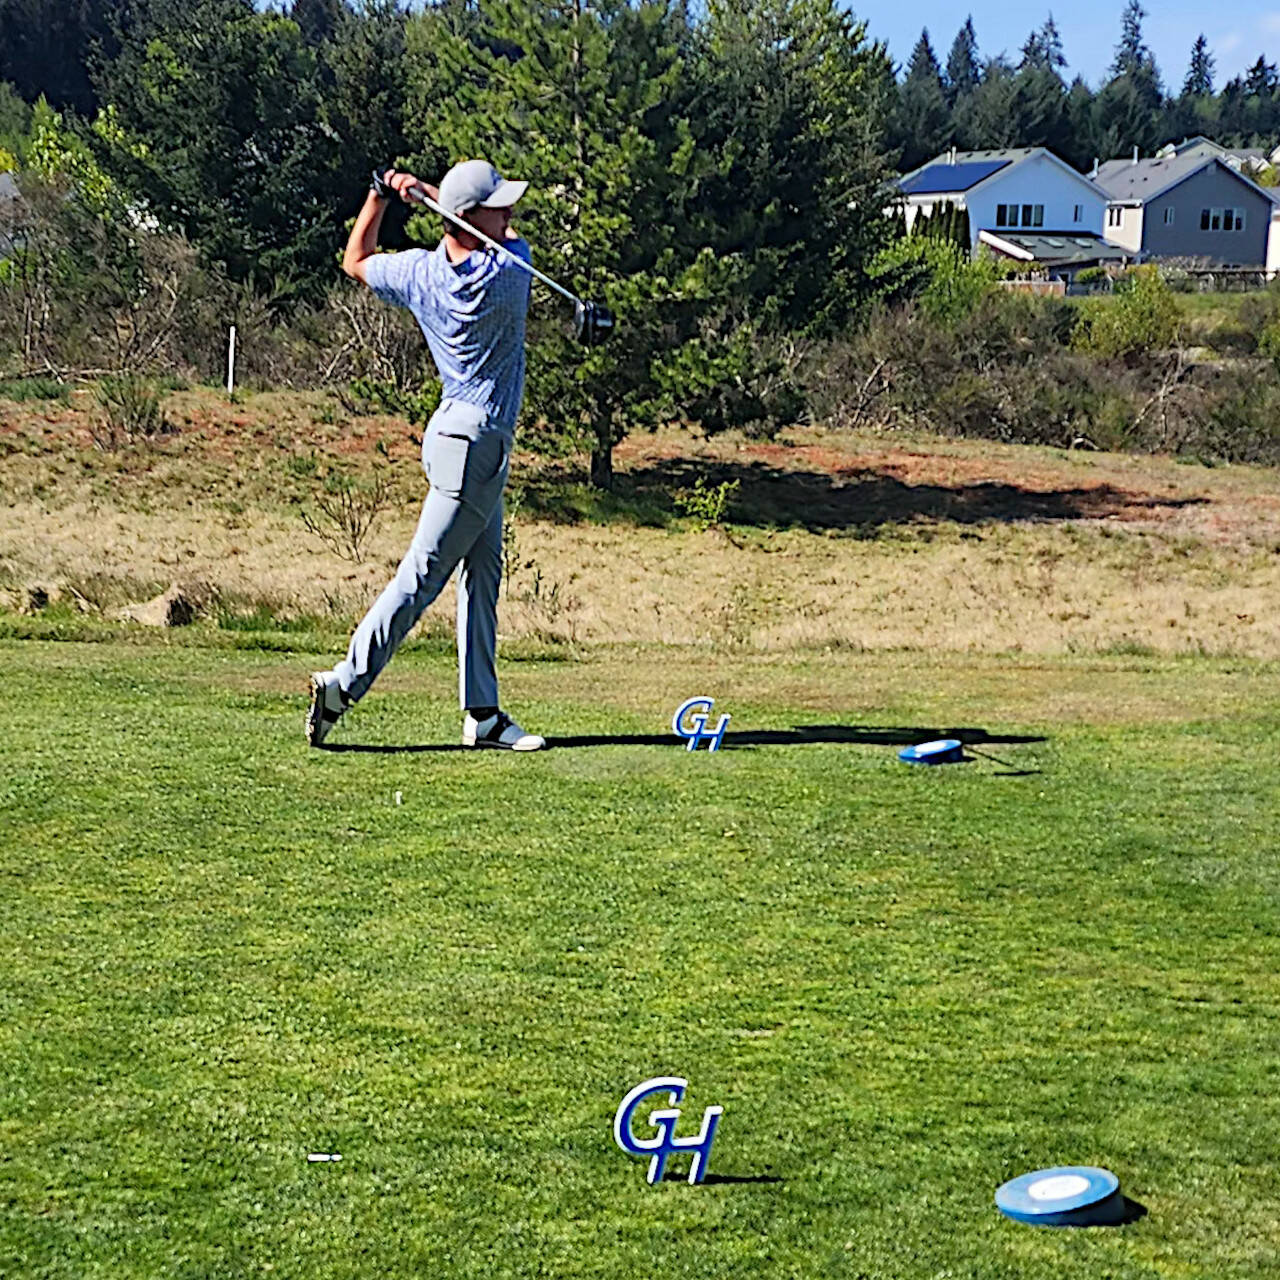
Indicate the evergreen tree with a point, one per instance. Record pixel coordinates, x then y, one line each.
1130 107
47 48
1199 81
1043 49
1260 80
986 117
665 162
1132 53
218 124
1080 144
365 66
318 19
963 72
922 123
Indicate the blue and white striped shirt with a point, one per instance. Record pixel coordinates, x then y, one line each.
473 316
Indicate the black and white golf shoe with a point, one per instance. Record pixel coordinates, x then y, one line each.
500 732
328 702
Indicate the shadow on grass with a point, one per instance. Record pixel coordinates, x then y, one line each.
848 498
869 735
862 735
724 1179
1132 1212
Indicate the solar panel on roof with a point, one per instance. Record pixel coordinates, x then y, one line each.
949 177
1086 244
1056 244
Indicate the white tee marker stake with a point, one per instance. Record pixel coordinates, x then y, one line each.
231 362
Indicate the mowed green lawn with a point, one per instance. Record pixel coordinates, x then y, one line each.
222 951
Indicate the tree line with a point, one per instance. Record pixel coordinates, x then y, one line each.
715 174
974 103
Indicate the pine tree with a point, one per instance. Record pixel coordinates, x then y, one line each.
1260 80
963 72
922 123
1132 53
1199 81
226 101
1130 106
1043 49
985 118
318 20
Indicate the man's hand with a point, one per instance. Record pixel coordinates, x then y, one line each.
406 186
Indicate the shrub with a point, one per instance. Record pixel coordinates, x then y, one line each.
705 504
947 284
132 410
36 388
1141 318
344 510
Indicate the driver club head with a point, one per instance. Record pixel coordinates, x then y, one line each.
592 322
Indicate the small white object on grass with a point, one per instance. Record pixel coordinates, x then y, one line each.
399 797
323 1157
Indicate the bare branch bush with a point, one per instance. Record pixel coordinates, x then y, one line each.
343 512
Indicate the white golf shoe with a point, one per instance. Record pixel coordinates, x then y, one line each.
501 732
328 702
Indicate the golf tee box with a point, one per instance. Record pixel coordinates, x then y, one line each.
943 751
1068 1196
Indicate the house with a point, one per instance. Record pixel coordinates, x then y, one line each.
1251 161
1061 254
1188 206
1025 190
8 194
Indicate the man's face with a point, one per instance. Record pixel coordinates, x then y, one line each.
492 222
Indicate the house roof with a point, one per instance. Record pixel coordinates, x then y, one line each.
959 171
934 179
1057 248
1207 146
1143 180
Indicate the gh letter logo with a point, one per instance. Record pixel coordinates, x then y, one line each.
690 721
665 1120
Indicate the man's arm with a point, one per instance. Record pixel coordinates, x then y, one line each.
362 243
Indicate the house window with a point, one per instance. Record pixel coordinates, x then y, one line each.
1228 219
1239 219
1037 215
1168 215
1115 215
1077 213
1013 215
1215 219
1002 215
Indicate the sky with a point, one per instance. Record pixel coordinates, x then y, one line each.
1237 31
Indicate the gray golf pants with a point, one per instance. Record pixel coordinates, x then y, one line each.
461 524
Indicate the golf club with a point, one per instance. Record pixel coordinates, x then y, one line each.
592 321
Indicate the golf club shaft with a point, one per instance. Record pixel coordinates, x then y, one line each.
421 197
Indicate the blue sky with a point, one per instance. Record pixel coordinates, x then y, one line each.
1237 31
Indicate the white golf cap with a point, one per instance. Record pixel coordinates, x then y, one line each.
477 182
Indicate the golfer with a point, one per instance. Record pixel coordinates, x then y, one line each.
470 302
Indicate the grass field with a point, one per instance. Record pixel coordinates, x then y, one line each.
222 951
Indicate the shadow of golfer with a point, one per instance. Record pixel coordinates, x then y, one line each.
803 734
799 735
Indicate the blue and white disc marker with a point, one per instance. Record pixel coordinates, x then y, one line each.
943 751
1070 1196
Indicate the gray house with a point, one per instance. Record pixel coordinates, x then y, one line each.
1188 206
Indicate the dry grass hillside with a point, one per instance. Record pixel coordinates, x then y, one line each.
830 539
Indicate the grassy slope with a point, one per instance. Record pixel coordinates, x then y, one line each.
835 540
223 951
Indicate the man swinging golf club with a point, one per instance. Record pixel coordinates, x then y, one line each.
469 295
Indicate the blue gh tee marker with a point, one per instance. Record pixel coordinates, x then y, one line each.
665 1119
695 729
